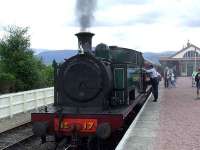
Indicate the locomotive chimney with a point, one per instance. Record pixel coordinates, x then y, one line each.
85 41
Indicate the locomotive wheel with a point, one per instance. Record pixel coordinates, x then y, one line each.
94 143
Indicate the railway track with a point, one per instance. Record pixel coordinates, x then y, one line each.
14 136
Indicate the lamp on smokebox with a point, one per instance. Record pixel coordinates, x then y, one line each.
85 42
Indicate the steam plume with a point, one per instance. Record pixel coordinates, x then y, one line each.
85 12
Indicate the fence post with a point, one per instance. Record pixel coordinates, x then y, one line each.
11 105
52 97
24 102
44 98
35 99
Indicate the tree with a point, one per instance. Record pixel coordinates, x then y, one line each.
47 74
17 58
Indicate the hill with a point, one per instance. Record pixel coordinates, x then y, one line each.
154 57
48 56
59 55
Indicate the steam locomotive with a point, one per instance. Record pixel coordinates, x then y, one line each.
95 93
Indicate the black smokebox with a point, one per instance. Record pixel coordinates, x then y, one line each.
85 41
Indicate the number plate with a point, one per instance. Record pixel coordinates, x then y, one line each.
85 125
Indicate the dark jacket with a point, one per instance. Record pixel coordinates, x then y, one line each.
197 77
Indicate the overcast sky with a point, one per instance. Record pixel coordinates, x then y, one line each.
144 25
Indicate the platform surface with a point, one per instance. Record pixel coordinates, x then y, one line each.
172 123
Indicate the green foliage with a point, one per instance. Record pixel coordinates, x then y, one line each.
47 74
17 59
15 48
7 82
6 77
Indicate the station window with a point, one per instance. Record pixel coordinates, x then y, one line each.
191 54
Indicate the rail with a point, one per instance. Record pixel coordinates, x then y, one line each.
20 102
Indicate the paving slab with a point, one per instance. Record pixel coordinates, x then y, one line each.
172 123
179 123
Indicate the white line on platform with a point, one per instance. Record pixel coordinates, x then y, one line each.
121 144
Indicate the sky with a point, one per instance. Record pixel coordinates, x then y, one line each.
144 25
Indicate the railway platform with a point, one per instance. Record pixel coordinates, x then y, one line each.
172 123
17 120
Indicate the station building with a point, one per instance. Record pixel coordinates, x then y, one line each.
183 62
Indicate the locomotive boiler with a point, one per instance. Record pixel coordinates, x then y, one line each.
95 92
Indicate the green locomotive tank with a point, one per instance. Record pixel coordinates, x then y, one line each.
128 73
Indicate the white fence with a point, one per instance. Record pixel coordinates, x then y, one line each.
14 103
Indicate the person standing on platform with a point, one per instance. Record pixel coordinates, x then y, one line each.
173 80
166 78
193 78
154 78
197 79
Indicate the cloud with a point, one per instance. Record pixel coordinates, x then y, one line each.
112 13
136 2
130 19
180 13
127 14
110 20
139 24
191 18
148 18
36 13
192 23
108 3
